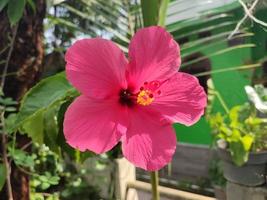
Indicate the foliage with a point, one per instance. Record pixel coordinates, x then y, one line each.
261 91
240 131
48 172
216 173
56 170
39 107
7 105
15 9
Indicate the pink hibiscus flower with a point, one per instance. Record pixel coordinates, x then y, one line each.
134 101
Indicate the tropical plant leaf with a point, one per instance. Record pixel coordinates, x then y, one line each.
49 92
150 10
34 127
15 10
162 12
238 153
3 3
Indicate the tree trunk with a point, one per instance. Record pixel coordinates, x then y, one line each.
24 69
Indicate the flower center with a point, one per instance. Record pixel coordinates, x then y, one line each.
147 93
126 97
145 96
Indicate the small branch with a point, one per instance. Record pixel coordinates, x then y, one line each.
154 176
242 20
5 159
248 12
4 141
25 171
26 145
9 56
9 74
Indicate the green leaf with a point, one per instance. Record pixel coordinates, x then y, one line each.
51 129
253 121
2 175
11 109
47 93
61 138
36 196
150 10
7 101
21 158
3 3
32 5
45 185
162 12
15 10
247 141
10 122
238 153
234 113
235 137
35 127
54 180
33 116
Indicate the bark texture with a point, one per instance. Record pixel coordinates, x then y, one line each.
24 69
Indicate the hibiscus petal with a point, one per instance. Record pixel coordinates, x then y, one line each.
182 99
154 55
148 145
94 125
96 67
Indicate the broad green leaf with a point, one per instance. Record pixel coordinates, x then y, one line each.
35 127
233 116
54 180
51 129
2 175
163 12
238 153
217 121
10 122
235 137
150 10
15 10
46 95
253 121
21 158
36 196
3 3
48 92
247 141
45 185
224 129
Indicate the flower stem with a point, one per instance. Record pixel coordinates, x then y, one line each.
154 177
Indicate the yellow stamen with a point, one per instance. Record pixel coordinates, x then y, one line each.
145 97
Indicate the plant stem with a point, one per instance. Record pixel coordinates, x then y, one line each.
4 141
150 11
162 12
154 178
5 160
9 56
